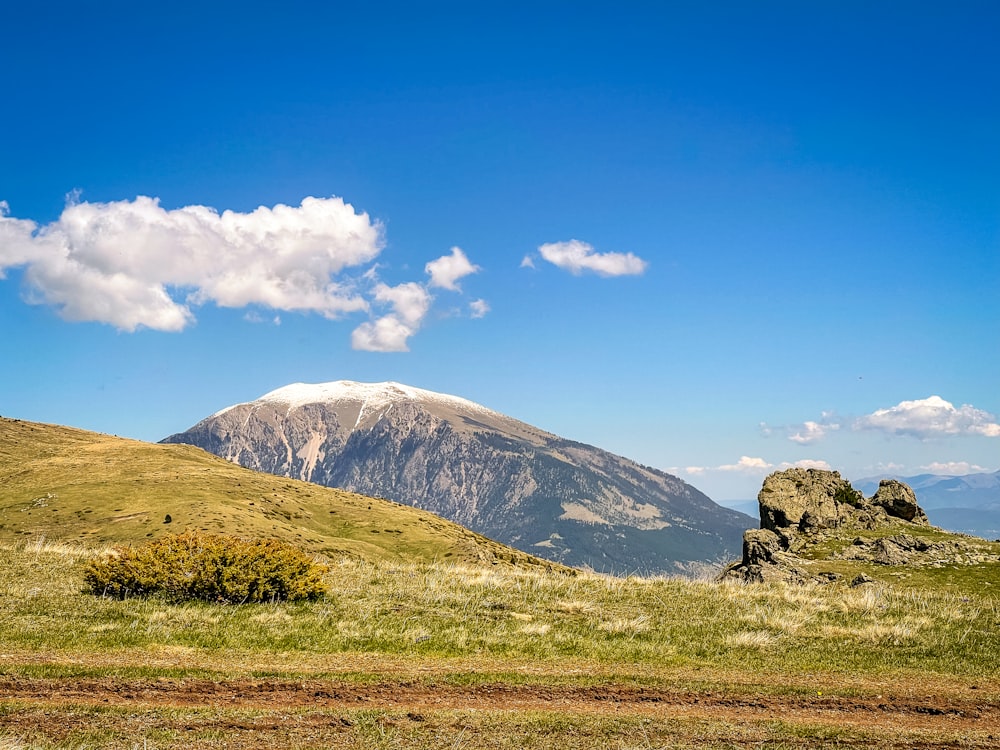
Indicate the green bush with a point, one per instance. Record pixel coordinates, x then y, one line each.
208 567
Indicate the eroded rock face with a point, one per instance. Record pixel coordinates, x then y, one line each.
806 498
765 558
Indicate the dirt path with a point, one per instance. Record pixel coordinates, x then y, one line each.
954 712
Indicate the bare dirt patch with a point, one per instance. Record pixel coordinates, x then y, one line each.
953 712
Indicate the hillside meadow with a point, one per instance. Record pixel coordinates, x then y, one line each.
433 637
438 655
64 483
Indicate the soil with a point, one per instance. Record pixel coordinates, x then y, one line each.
322 701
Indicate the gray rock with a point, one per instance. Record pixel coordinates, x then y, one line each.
807 499
899 501
760 546
886 552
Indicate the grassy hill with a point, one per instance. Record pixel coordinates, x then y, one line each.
63 483
426 641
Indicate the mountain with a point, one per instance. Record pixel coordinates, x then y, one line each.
61 483
969 504
559 499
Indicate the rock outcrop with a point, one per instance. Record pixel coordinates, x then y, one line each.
799 507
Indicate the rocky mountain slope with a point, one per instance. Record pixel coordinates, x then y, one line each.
814 526
562 500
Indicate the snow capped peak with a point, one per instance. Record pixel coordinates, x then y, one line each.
372 395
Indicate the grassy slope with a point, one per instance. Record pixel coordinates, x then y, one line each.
401 614
808 649
68 484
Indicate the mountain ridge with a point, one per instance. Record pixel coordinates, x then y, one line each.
563 500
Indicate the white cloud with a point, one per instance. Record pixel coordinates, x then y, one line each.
954 468
478 308
527 262
448 269
390 333
931 417
134 263
576 256
752 466
807 463
809 432
387 334
410 303
252 316
747 464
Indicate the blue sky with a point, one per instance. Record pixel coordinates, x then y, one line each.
718 238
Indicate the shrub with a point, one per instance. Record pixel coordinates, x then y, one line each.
848 495
209 567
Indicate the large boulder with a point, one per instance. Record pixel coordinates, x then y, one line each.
899 501
805 499
765 560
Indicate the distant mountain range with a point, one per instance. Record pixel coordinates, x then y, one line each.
969 504
556 498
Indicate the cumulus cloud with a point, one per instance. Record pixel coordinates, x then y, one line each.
747 464
931 417
807 463
448 269
478 308
527 262
576 257
134 263
387 334
409 303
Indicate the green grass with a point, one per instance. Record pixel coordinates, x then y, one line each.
63 483
436 624
372 729
501 616
415 600
972 568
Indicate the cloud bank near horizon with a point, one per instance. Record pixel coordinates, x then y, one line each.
133 264
752 466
